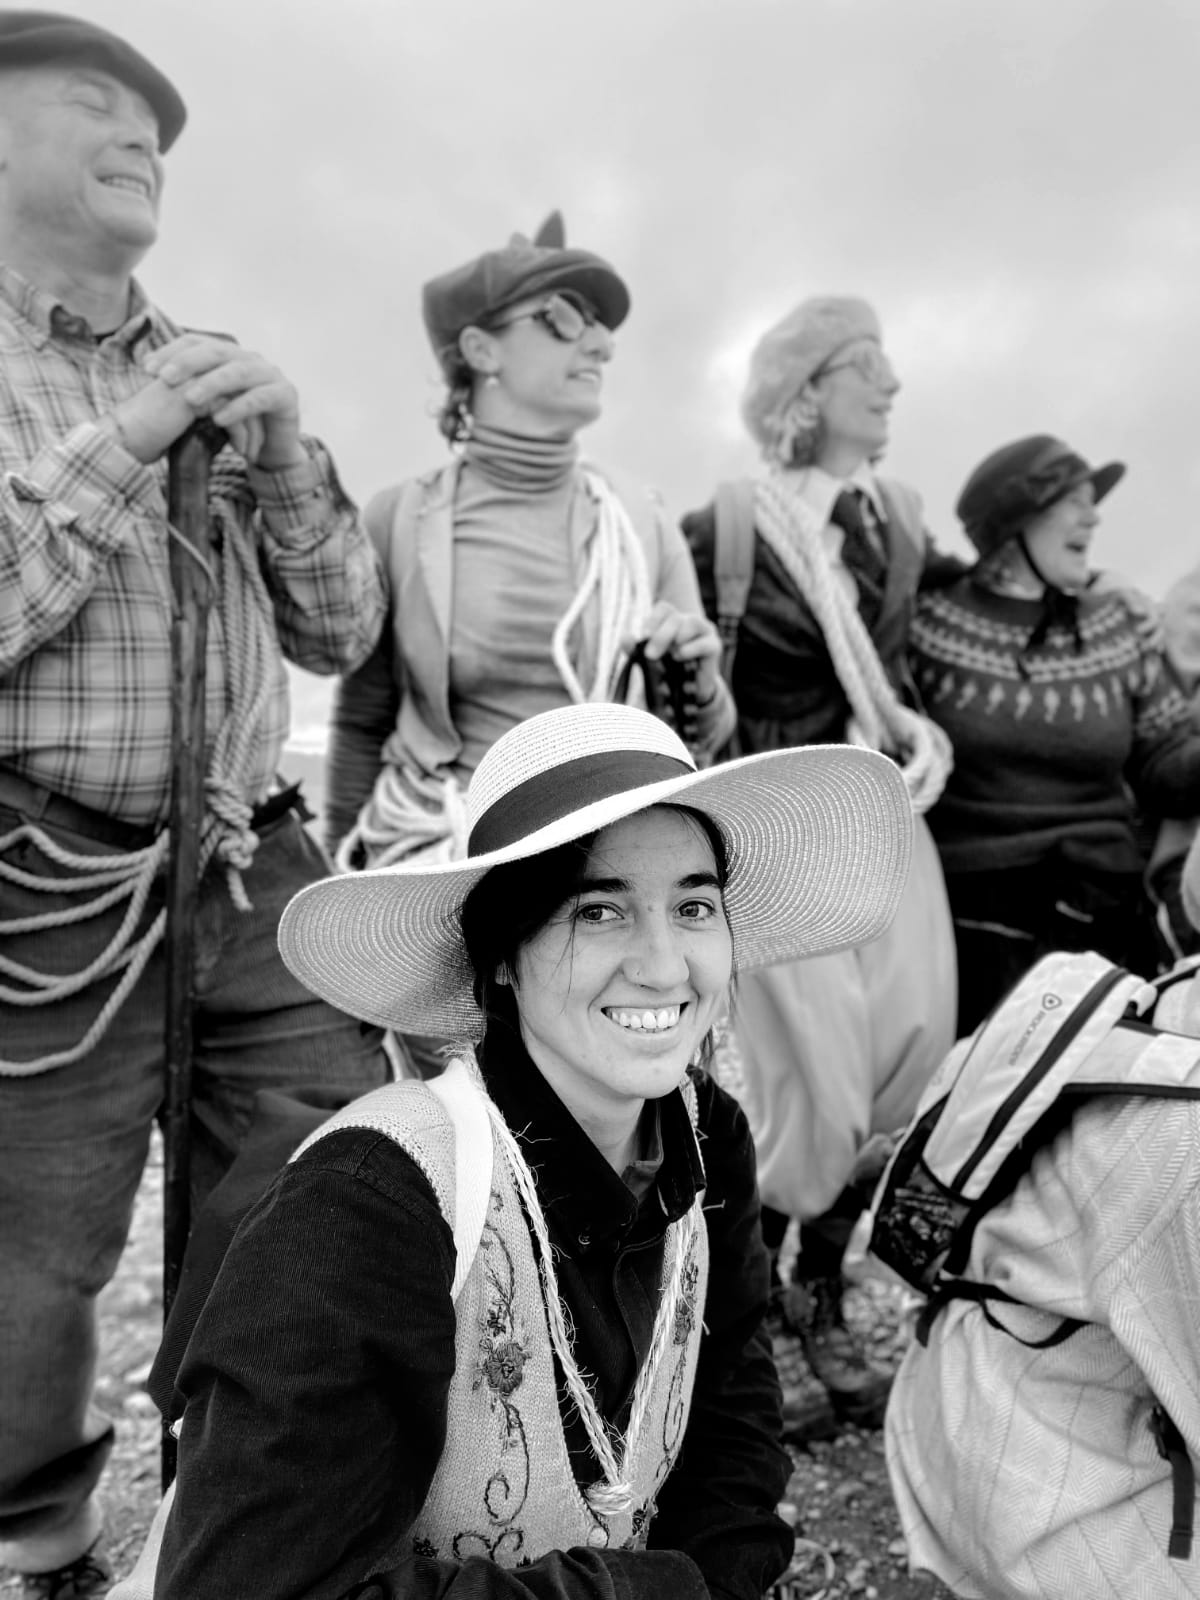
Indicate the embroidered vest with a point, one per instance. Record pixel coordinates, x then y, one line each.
504 1488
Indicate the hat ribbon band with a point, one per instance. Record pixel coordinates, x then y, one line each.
565 789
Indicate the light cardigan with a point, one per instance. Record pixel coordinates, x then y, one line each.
397 709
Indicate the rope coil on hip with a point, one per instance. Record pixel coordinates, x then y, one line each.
247 618
412 816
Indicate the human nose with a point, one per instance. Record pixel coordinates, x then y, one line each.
140 133
658 959
598 341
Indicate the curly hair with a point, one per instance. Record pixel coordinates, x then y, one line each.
1003 564
790 436
454 416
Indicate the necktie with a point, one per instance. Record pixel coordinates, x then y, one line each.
860 554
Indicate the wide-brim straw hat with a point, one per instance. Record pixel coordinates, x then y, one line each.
818 841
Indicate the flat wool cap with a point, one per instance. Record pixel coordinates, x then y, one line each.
492 282
34 38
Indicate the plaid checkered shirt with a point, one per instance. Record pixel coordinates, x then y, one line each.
85 597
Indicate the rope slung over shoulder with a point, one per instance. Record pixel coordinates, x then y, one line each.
879 721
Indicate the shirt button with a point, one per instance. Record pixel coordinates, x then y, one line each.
597 1537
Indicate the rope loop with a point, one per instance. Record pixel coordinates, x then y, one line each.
251 652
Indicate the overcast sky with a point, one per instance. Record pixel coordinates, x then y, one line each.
1015 185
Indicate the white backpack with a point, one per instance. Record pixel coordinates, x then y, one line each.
1074 1027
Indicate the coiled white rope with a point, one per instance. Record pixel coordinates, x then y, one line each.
409 817
617 576
614 1493
412 816
247 618
880 722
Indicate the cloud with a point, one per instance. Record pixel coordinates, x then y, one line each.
1011 182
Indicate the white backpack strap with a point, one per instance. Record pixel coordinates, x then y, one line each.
463 1098
1018 1062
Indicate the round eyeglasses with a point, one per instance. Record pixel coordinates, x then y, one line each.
869 361
564 314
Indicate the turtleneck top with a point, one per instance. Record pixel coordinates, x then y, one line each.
515 574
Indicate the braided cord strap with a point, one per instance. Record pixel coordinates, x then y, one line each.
613 1493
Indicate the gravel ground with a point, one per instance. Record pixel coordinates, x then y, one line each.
848 1538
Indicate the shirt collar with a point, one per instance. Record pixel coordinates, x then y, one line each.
819 489
48 318
579 1191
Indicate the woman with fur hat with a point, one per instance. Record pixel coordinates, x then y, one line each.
1059 710
830 554
532 1364
521 575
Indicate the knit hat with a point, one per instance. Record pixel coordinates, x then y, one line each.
497 279
818 840
33 38
1009 487
792 353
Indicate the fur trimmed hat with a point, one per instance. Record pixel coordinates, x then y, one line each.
33 38
792 353
1012 485
498 279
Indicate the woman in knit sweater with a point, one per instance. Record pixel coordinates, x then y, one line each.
532 1366
520 576
1061 716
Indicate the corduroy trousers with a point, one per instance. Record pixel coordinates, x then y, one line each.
73 1143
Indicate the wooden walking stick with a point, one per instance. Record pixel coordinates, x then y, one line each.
191 555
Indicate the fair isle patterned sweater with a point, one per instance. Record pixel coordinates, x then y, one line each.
1045 754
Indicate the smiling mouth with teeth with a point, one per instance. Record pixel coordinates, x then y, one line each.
645 1020
134 185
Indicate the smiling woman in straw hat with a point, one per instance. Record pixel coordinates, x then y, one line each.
574 1385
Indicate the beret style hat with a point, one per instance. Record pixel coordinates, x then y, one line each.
32 38
1014 483
523 267
790 354
818 839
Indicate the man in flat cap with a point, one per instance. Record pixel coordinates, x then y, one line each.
95 385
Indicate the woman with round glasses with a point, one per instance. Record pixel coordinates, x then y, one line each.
831 555
520 575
